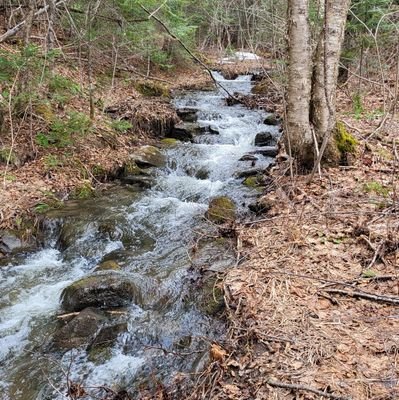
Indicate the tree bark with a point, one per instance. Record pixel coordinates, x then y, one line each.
325 75
298 137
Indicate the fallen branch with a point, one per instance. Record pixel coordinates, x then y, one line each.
303 388
366 296
18 27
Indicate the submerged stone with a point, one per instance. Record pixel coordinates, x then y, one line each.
102 290
221 210
79 330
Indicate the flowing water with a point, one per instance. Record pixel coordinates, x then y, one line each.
150 233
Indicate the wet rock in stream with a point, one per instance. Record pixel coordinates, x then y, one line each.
186 131
187 114
264 139
102 290
272 120
79 330
221 209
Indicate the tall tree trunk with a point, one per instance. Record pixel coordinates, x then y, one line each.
51 13
325 75
298 137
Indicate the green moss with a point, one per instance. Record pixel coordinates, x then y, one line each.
45 111
252 181
108 266
221 209
213 298
346 143
152 89
131 168
169 142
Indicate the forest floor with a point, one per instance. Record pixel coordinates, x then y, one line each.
313 303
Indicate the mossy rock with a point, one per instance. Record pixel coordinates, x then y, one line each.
253 182
110 265
152 89
101 290
212 298
170 142
148 156
221 210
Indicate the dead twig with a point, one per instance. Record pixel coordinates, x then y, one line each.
303 388
366 296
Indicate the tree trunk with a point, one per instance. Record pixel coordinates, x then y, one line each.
298 137
51 13
325 75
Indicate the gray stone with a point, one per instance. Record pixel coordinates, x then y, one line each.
186 131
148 156
264 139
80 330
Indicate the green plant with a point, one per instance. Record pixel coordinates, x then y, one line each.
41 208
61 131
357 106
369 274
121 126
52 161
377 188
84 191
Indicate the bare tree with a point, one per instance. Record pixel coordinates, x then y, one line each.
311 110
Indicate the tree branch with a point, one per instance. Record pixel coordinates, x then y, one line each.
18 27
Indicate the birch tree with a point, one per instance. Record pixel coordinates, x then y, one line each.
313 74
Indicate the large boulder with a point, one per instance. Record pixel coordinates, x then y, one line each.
148 156
264 139
221 210
186 131
103 290
80 330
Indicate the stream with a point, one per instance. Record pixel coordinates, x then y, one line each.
150 233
